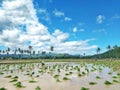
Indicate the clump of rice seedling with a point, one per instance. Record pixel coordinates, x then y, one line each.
83 73
107 83
118 74
84 88
79 74
114 77
15 77
3 88
70 72
98 77
37 88
56 76
110 73
92 83
116 81
1 73
58 80
14 80
32 81
65 78
67 74
19 85
37 76
9 76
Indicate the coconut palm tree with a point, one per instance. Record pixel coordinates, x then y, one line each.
8 50
116 50
109 48
51 49
98 51
30 50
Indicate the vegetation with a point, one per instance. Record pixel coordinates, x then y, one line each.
37 88
107 82
84 88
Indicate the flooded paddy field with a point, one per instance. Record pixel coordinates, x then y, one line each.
58 76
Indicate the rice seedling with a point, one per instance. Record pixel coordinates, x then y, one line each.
57 80
84 88
114 77
56 76
32 81
9 76
98 77
14 80
116 81
108 83
65 78
37 88
3 88
19 85
92 83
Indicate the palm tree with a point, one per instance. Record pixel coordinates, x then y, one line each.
116 50
98 51
109 48
30 49
8 50
19 50
51 49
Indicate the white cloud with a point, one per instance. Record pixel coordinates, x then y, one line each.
20 27
75 29
44 14
100 19
58 13
100 31
116 16
82 30
67 19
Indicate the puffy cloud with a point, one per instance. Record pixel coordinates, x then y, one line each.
20 27
75 29
58 13
100 19
67 19
82 30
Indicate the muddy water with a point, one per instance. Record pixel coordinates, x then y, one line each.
46 80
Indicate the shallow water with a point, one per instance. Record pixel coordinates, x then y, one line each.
44 76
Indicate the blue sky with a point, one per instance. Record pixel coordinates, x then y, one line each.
74 26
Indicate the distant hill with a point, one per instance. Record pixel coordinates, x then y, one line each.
113 53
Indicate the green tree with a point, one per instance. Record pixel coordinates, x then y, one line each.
116 48
109 48
98 52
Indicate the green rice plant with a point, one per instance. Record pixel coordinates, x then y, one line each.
65 78
116 81
15 77
67 74
108 83
79 75
57 80
1 73
56 76
37 88
114 77
70 72
9 76
98 77
19 85
3 88
14 80
92 83
84 88
110 73
32 81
